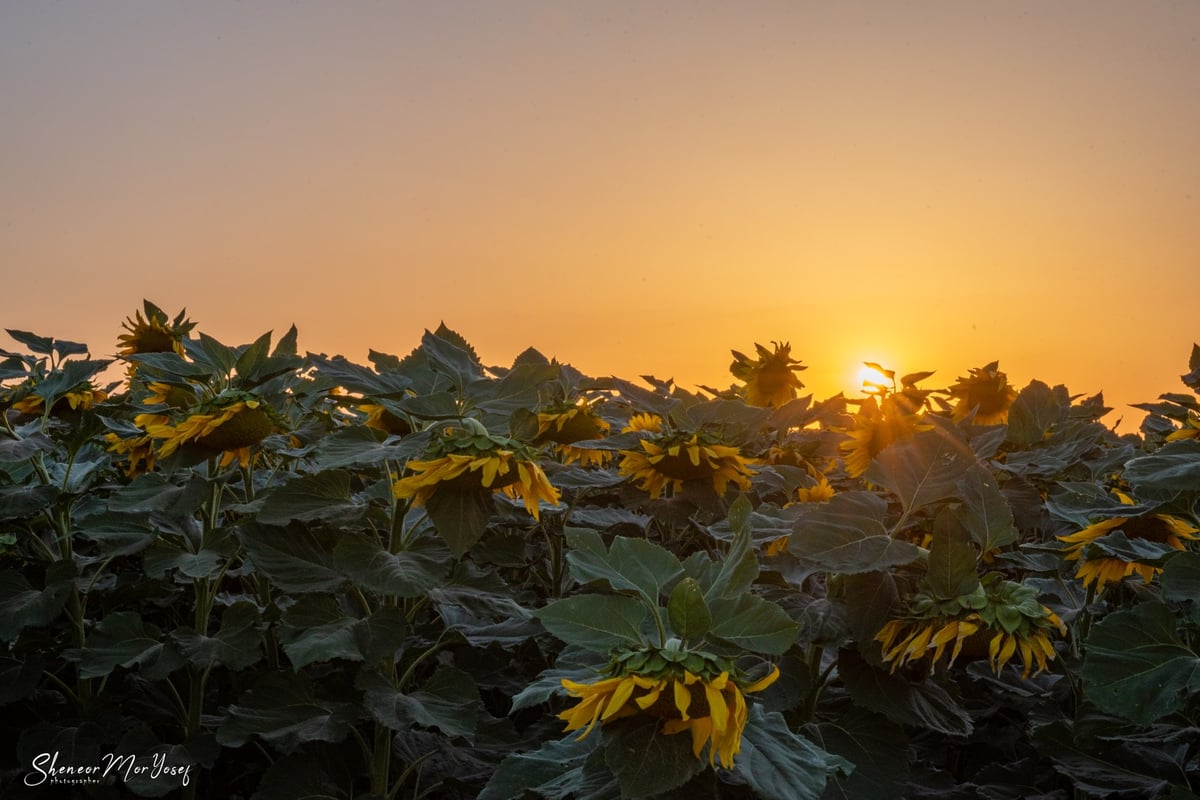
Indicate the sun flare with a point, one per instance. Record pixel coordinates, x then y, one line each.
871 376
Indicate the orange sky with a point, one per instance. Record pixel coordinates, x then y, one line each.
633 188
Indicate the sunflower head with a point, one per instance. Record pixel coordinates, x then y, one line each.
770 379
999 619
466 457
229 425
80 398
670 458
688 690
879 423
383 419
153 333
986 390
1105 568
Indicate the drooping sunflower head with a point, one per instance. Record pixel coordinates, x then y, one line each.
877 425
690 691
79 398
670 458
153 333
998 619
644 422
563 424
987 390
1190 429
1103 569
467 457
770 379
382 418
229 425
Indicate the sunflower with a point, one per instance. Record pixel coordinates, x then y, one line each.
81 398
382 419
877 425
771 379
987 391
154 333
229 425
470 458
137 450
649 423
565 424
669 459
709 704
1189 430
1106 569
819 493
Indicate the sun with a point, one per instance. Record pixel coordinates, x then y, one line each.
872 377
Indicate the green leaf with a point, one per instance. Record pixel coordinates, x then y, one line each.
300 777
448 701
848 535
573 663
560 763
1136 667
878 749
1101 770
739 567
1036 409
687 611
295 558
18 679
42 345
22 502
645 760
208 351
119 534
460 516
451 355
283 710
869 598
1175 467
923 469
359 446
752 623
1116 544
630 564
369 565
22 606
952 559
13 450
597 622
1180 579
924 704
984 512
316 629
780 764
287 344
324 496
236 645
121 639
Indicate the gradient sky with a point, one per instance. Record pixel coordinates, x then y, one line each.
632 188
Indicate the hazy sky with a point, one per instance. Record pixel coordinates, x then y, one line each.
631 187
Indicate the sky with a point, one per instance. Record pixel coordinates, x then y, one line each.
633 188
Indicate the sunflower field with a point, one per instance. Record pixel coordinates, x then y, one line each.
244 572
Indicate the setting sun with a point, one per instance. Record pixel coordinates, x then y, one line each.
872 375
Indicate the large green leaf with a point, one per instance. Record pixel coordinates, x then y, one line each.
1136 667
629 564
752 623
119 534
324 496
645 760
984 511
122 639
300 777
22 502
1101 769
923 469
18 678
952 559
316 629
1036 408
460 516
296 558
370 566
780 764
1175 467
236 644
359 446
739 567
283 709
555 770
868 599
924 704
22 606
597 622
1180 579
689 615
878 749
848 535
448 701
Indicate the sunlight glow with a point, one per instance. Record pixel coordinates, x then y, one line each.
871 377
